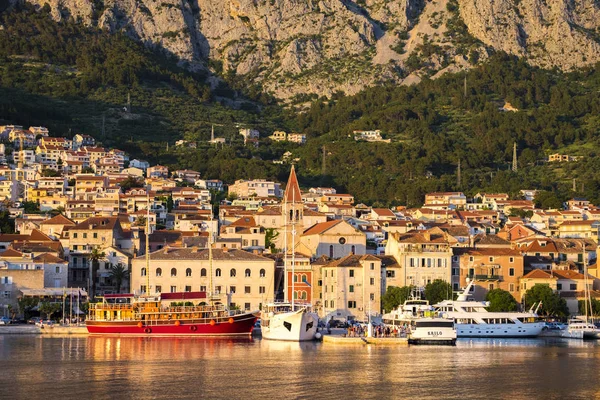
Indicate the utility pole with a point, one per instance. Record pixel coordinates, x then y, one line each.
514 163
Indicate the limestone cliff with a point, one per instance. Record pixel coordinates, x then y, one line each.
294 47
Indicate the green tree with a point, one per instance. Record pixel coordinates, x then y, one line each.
500 300
131 182
595 307
437 291
87 170
31 207
118 273
26 305
271 235
395 296
49 309
96 255
7 224
552 304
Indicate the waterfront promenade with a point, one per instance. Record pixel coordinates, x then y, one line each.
46 330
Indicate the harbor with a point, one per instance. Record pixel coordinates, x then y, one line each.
109 367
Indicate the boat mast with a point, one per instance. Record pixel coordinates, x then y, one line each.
210 257
294 213
285 249
148 241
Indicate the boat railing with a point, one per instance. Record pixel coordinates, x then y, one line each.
181 309
111 306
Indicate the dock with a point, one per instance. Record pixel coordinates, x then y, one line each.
46 330
361 340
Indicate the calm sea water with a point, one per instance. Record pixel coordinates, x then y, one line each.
132 368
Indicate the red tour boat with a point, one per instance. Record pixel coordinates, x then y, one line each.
166 314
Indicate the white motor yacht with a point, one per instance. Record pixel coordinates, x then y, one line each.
473 320
288 322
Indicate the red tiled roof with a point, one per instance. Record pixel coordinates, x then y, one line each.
538 274
319 228
292 190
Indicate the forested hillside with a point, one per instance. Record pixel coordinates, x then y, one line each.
74 80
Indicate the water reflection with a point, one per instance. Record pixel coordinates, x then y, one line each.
177 368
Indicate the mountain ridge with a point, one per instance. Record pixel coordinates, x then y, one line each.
294 48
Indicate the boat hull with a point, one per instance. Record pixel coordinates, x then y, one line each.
239 325
296 326
499 330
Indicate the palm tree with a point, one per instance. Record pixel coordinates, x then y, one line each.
95 257
118 273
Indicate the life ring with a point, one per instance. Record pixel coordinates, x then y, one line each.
177 323
140 324
231 320
212 322
193 328
148 330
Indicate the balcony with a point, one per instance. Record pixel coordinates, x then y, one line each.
485 277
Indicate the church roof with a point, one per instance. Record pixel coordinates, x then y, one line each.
292 190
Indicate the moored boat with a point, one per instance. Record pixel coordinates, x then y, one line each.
474 320
168 314
288 322
439 331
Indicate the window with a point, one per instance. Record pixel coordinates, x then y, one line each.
331 251
332 306
390 274
232 272
203 288
491 259
372 296
511 287
372 281
455 271
471 258
188 288
352 304
353 249
218 289
351 289
559 286
262 273
158 271
247 306
295 278
173 271
351 273
158 289
246 289
143 288
491 286
573 286
95 235
512 259
326 303
511 272
188 272
231 289
57 270
203 272
261 290
85 235
372 266
218 272
247 273
75 247
173 289
471 272
143 271
254 243
7 294
75 235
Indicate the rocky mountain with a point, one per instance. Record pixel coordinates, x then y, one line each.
294 48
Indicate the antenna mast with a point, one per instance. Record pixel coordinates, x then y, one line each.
294 214
210 257
285 249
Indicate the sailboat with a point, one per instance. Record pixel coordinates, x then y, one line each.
167 314
583 327
289 320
